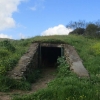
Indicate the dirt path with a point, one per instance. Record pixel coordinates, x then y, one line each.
47 75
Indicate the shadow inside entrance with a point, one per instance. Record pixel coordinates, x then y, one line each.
49 56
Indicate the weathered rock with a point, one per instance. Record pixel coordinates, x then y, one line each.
75 61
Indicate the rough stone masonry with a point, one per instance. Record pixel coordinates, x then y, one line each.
29 61
26 64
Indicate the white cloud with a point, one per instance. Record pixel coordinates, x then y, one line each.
7 8
22 36
38 4
5 36
57 30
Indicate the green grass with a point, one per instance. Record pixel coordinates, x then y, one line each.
10 53
66 86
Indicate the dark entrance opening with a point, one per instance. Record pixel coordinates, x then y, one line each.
49 56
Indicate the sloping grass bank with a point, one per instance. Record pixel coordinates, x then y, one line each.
67 86
10 53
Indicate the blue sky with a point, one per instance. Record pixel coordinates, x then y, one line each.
29 18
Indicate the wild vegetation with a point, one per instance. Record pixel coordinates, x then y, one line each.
66 85
87 29
10 53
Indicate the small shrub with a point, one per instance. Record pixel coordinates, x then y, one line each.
6 84
63 68
4 53
21 85
8 46
2 70
33 76
79 31
95 49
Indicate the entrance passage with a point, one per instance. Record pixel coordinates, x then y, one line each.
49 56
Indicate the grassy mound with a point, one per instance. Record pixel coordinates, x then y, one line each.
66 86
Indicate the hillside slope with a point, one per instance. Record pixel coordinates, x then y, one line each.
66 86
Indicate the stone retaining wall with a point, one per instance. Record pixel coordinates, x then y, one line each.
75 61
27 63
30 61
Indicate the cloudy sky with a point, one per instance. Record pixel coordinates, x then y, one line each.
29 18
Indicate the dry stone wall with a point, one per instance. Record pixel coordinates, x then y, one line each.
75 61
27 63
30 61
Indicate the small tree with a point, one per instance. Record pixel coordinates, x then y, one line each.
79 31
92 30
78 24
78 27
